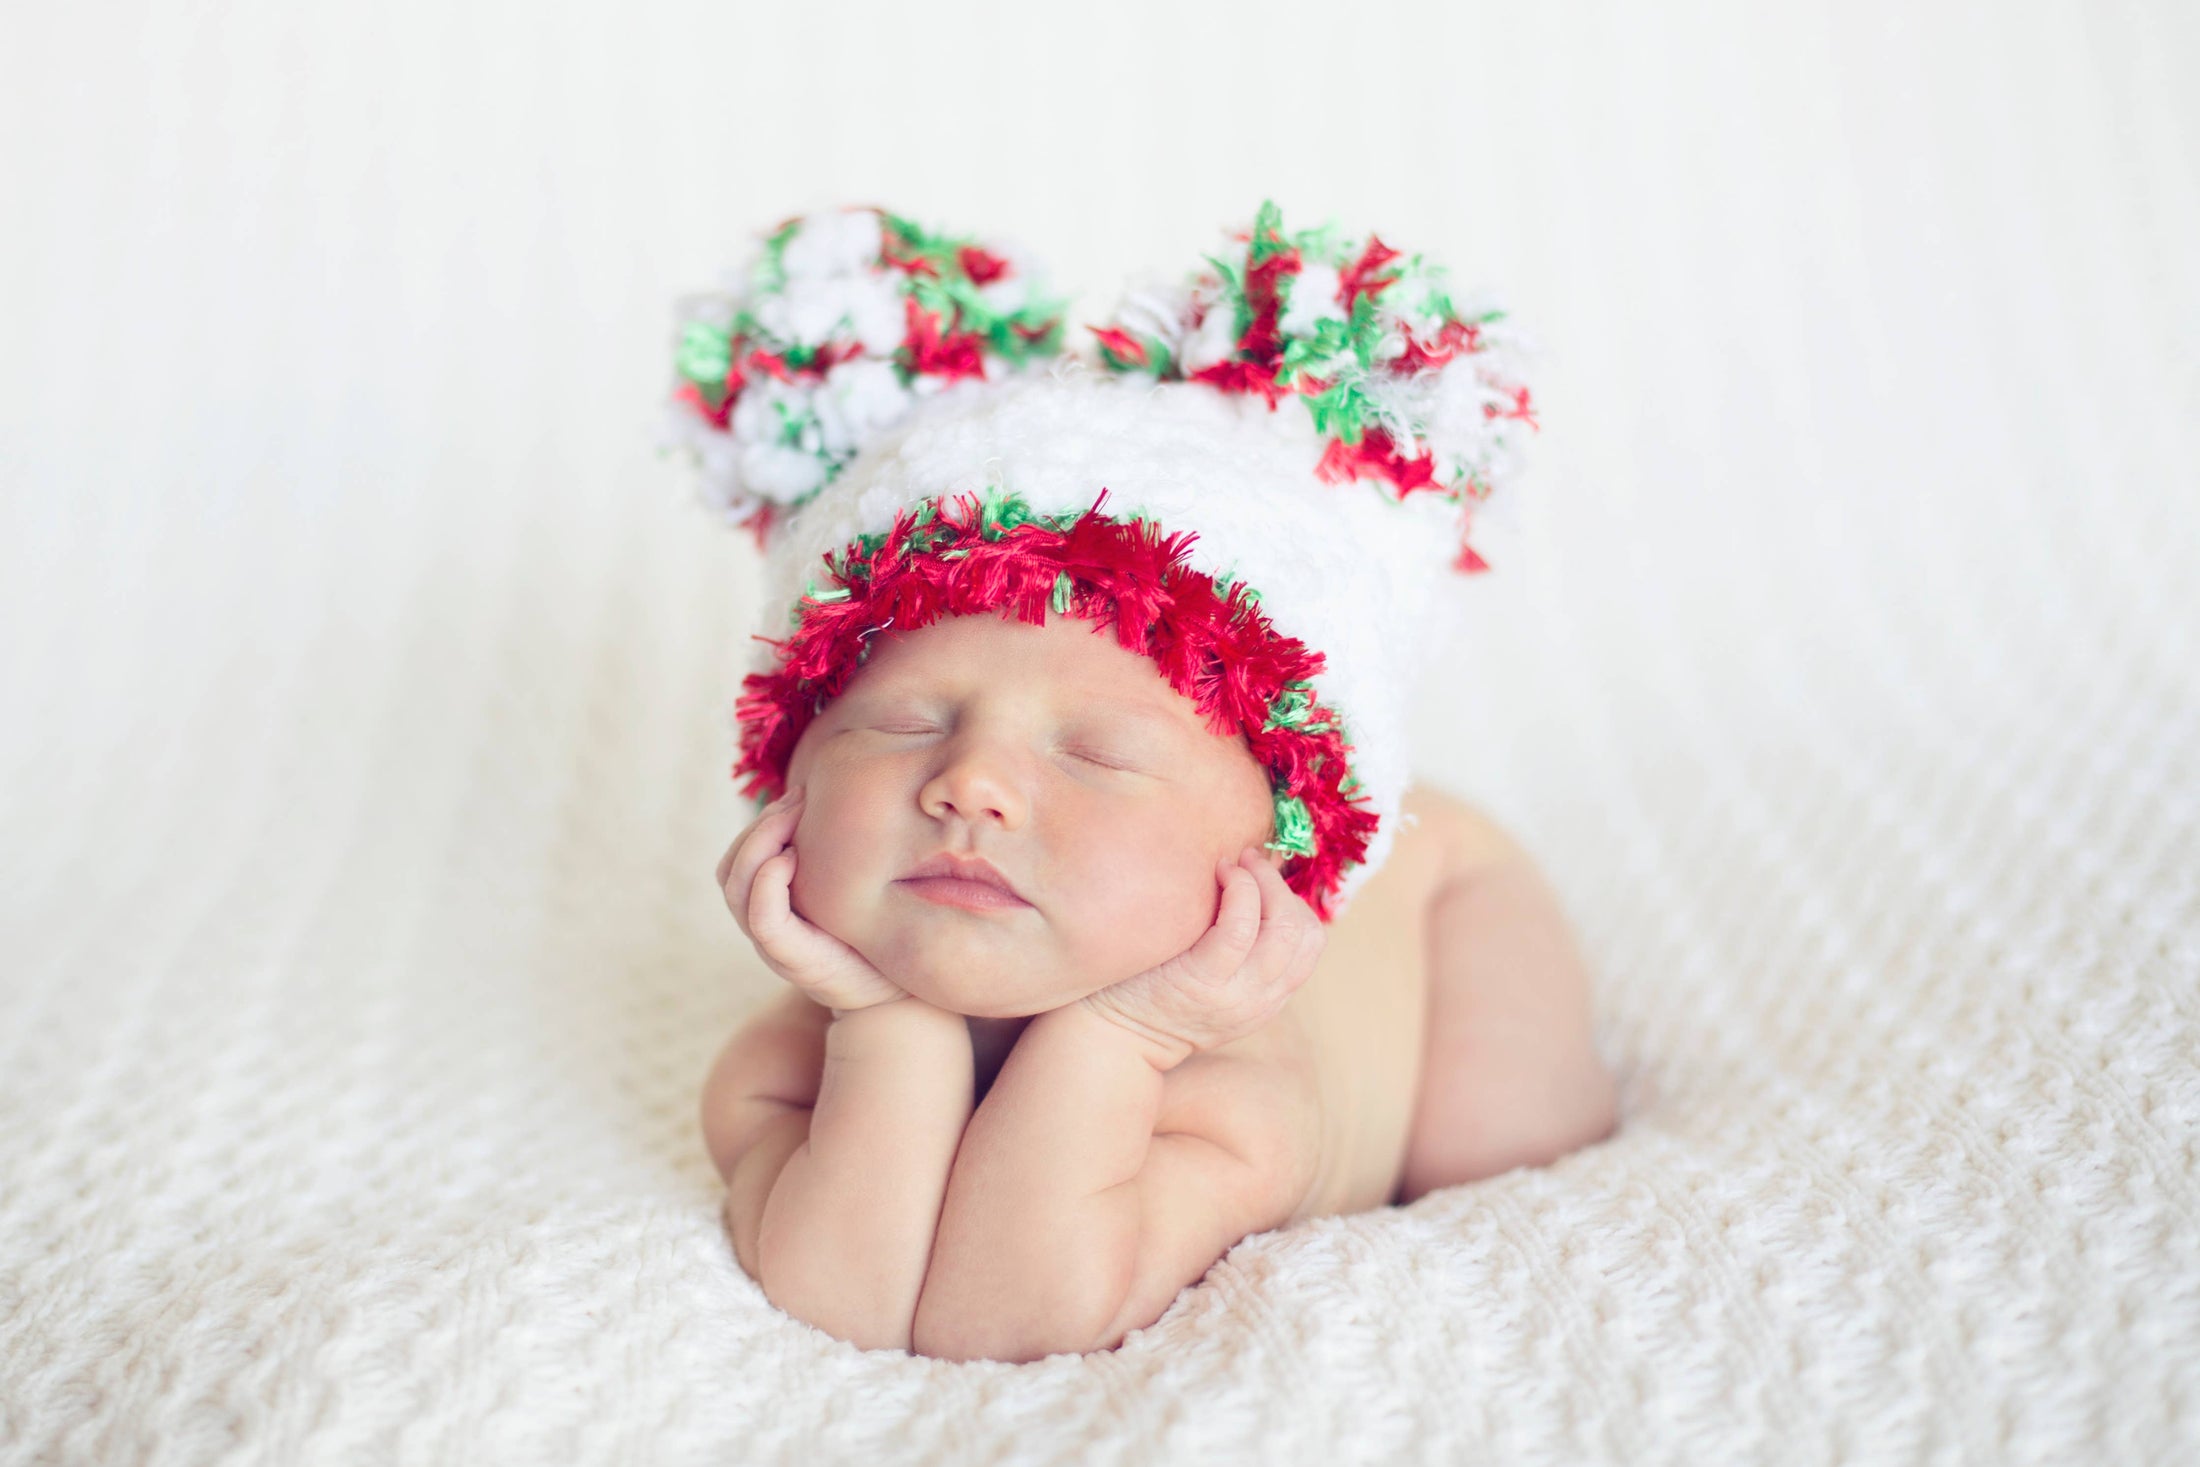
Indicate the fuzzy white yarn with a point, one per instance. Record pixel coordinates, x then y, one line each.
1346 570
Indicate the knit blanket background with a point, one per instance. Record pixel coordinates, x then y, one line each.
368 688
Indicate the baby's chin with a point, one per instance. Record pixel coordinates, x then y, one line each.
981 969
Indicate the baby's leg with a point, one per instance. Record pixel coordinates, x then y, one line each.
1510 1075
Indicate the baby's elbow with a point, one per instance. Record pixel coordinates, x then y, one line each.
868 1309
1069 1317
857 1317
998 1340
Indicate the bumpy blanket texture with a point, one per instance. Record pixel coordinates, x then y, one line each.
369 717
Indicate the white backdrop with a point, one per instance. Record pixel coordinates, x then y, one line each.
368 681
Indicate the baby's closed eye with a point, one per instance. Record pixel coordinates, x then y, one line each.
1110 755
1111 752
1104 762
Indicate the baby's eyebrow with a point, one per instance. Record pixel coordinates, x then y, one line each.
1138 709
1144 712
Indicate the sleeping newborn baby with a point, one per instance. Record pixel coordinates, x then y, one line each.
1058 1035
1113 925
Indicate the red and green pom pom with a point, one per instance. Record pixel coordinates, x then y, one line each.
1412 390
840 324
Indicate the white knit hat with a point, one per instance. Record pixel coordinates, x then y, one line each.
1261 478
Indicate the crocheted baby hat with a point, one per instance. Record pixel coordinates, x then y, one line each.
1258 476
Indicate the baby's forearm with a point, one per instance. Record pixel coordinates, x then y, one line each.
847 1231
1039 1233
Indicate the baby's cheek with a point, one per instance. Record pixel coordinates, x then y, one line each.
813 894
1159 902
833 870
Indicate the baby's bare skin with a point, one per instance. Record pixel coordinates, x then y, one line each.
981 1187
1365 1026
1443 1037
1448 1020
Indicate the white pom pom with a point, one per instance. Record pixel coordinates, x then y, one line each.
812 311
1213 340
860 398
1162 311
778 431
1313 301
836 242
779 473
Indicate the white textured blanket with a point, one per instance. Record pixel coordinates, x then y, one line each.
366 691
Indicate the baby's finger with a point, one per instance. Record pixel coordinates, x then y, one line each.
1221 950
778 929
733 848
769 917
1287 924
764 839
725 862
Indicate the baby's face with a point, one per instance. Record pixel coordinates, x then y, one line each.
1062 758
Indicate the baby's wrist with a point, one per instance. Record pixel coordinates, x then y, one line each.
899 1002
1162 1050
873 1007
901 1026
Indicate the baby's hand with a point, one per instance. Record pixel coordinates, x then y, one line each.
1262 946
757 876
